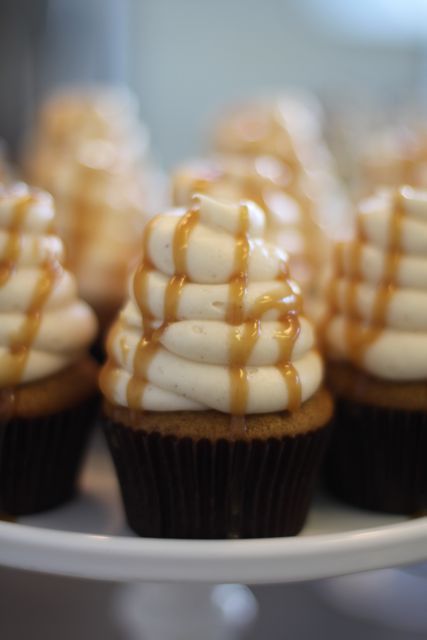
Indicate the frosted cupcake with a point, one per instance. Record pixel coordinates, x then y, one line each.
269 183
394 156
290 129
376 335
47 381
74 116
91 152
102 216
214 408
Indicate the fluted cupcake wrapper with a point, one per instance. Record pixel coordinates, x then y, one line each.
182 488
378 458
40 458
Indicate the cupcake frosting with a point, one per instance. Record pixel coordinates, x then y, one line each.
287 127
378 292
393 156
90 150
44 327
102 215
273 186
213 320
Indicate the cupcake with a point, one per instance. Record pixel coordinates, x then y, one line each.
47 381
71 117
375 333
91 152
290 129
394 156
214 408
290 222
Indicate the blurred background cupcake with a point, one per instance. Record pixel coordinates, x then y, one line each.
394 155
47 380
289 128
270 183
375 334
90 151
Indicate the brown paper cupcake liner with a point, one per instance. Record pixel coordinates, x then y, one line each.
183 488
40 458
378 458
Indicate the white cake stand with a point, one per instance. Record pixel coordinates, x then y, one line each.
88 538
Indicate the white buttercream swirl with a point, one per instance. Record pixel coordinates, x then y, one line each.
190 366
393 156
274 187
378 299
44 327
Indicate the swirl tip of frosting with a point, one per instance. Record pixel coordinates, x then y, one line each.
39 207
227 215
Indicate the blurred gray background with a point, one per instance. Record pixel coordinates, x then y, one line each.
186 59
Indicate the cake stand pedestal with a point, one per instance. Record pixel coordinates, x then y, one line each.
191 612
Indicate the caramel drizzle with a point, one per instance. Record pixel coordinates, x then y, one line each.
241 342
360 335
13 245
252 188
148 346
22 340
245 334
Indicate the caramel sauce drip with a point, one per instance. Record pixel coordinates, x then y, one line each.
13 245
292 380
241 342
149 343
359 335
253 187
244 334
23 338
238 282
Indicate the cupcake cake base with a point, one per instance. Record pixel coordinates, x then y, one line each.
206 475
44 428
377 455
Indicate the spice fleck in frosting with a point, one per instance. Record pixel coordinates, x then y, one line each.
213 320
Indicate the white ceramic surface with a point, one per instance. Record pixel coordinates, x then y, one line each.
88 538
